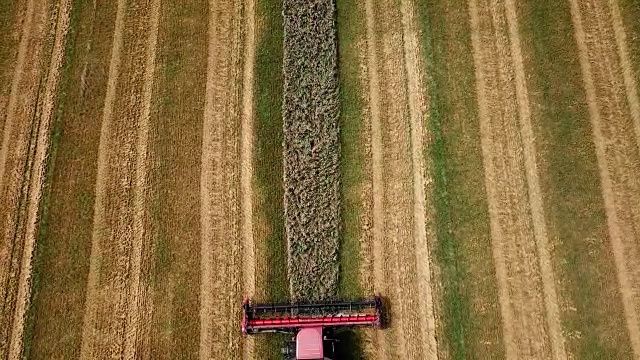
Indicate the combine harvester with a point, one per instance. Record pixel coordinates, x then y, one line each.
312 325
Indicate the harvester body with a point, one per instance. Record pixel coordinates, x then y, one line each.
311 324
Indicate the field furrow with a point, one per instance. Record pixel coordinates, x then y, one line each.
617 148
221 254
23 153
116 312
528 298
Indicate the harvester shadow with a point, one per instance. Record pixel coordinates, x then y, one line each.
348 345
385 319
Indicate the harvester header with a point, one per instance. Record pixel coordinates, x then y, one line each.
291 317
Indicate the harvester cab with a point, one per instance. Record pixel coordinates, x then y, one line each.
312 325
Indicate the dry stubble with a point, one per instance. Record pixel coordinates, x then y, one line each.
611 114
246 172
222 252
527 292
22 159
37 172
370 70
400 208
114 324
423 210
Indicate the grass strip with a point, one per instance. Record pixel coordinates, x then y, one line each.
271 247
593 317
470 320
353 158
54 318
350 31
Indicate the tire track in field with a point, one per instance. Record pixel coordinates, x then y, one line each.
24 151
222 253
617 150
10 31
114 324
246 172
137 326
19 161
7 130
397 107
376 166
533 185
7 212
628 75
422 190
528 299
37 173
99 221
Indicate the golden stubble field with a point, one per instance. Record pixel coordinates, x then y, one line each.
133 221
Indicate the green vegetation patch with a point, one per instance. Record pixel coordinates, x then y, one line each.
591 305
353 157
469 324
353 160
271 247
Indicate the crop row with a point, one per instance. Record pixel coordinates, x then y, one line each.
311 148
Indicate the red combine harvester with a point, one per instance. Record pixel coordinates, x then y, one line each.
311 324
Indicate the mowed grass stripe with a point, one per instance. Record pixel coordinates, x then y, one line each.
272 283
54 325
591 311
469 314
350 30
353 166
175 140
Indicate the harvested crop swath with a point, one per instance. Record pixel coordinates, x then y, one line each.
311 148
